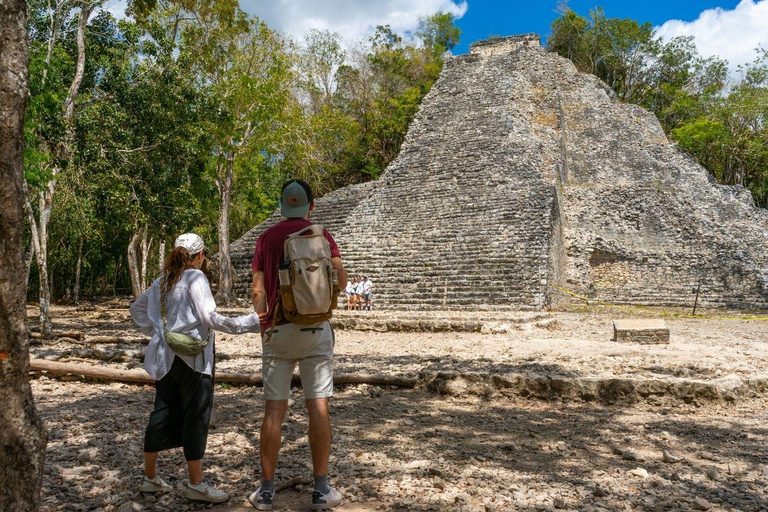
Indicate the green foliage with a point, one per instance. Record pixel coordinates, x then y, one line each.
439 32
182 90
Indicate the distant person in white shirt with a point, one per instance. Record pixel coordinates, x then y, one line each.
359 293
350 291
367 287
183 383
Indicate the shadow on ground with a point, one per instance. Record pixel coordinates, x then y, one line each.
398 449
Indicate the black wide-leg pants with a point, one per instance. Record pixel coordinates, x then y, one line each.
183 403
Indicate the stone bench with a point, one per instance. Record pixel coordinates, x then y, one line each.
643 331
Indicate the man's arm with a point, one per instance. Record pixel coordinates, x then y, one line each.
259 297
338 265
259 293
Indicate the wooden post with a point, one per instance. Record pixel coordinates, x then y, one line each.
696 301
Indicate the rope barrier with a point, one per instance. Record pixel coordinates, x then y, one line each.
758 318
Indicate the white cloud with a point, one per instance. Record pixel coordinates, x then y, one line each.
731 35
116 8
353 19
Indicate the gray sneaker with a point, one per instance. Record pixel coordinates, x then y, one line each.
262 500
153 485
324 501
204 492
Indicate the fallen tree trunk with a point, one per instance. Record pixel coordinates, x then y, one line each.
56 368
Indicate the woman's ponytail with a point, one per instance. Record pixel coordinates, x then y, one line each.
175 264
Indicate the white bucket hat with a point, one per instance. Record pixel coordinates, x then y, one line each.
191 242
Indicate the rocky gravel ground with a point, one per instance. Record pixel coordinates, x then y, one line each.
403 450
400 449
567 344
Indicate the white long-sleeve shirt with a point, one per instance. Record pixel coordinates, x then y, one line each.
191 310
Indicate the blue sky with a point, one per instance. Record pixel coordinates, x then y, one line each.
499 17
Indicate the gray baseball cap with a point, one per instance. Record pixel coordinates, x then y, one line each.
295 199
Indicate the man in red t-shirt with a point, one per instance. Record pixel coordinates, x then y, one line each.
309 345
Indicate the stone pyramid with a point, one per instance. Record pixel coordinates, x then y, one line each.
521 178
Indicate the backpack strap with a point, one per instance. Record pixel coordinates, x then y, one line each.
316 229
278 306
311 230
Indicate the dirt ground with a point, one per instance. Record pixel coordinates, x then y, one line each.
401 449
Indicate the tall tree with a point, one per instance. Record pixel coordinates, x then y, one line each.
60 148
22 438
319 59
245 68
439 32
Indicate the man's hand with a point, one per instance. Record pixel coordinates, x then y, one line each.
263 317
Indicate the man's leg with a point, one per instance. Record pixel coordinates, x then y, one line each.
319 434
271 436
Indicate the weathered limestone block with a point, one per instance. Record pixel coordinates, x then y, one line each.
644 331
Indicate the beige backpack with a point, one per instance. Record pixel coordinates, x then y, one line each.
310 294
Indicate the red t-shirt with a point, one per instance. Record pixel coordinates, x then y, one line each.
269 254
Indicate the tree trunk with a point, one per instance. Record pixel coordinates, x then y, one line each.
225 295
29 255
46 195
34 242
86 9
133 264
77 271
117 273
146 246
160 257
56 368
46 204
22 437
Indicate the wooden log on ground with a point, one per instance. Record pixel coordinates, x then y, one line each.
57 368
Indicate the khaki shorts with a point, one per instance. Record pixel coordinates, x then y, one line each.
309 345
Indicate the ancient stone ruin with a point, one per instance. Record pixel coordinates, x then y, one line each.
521 178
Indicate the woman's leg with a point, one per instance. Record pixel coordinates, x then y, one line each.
150 464
195 471
198 397
163 429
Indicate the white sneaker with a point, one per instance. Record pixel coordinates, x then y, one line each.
157 484
204 492
324 501
262 500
